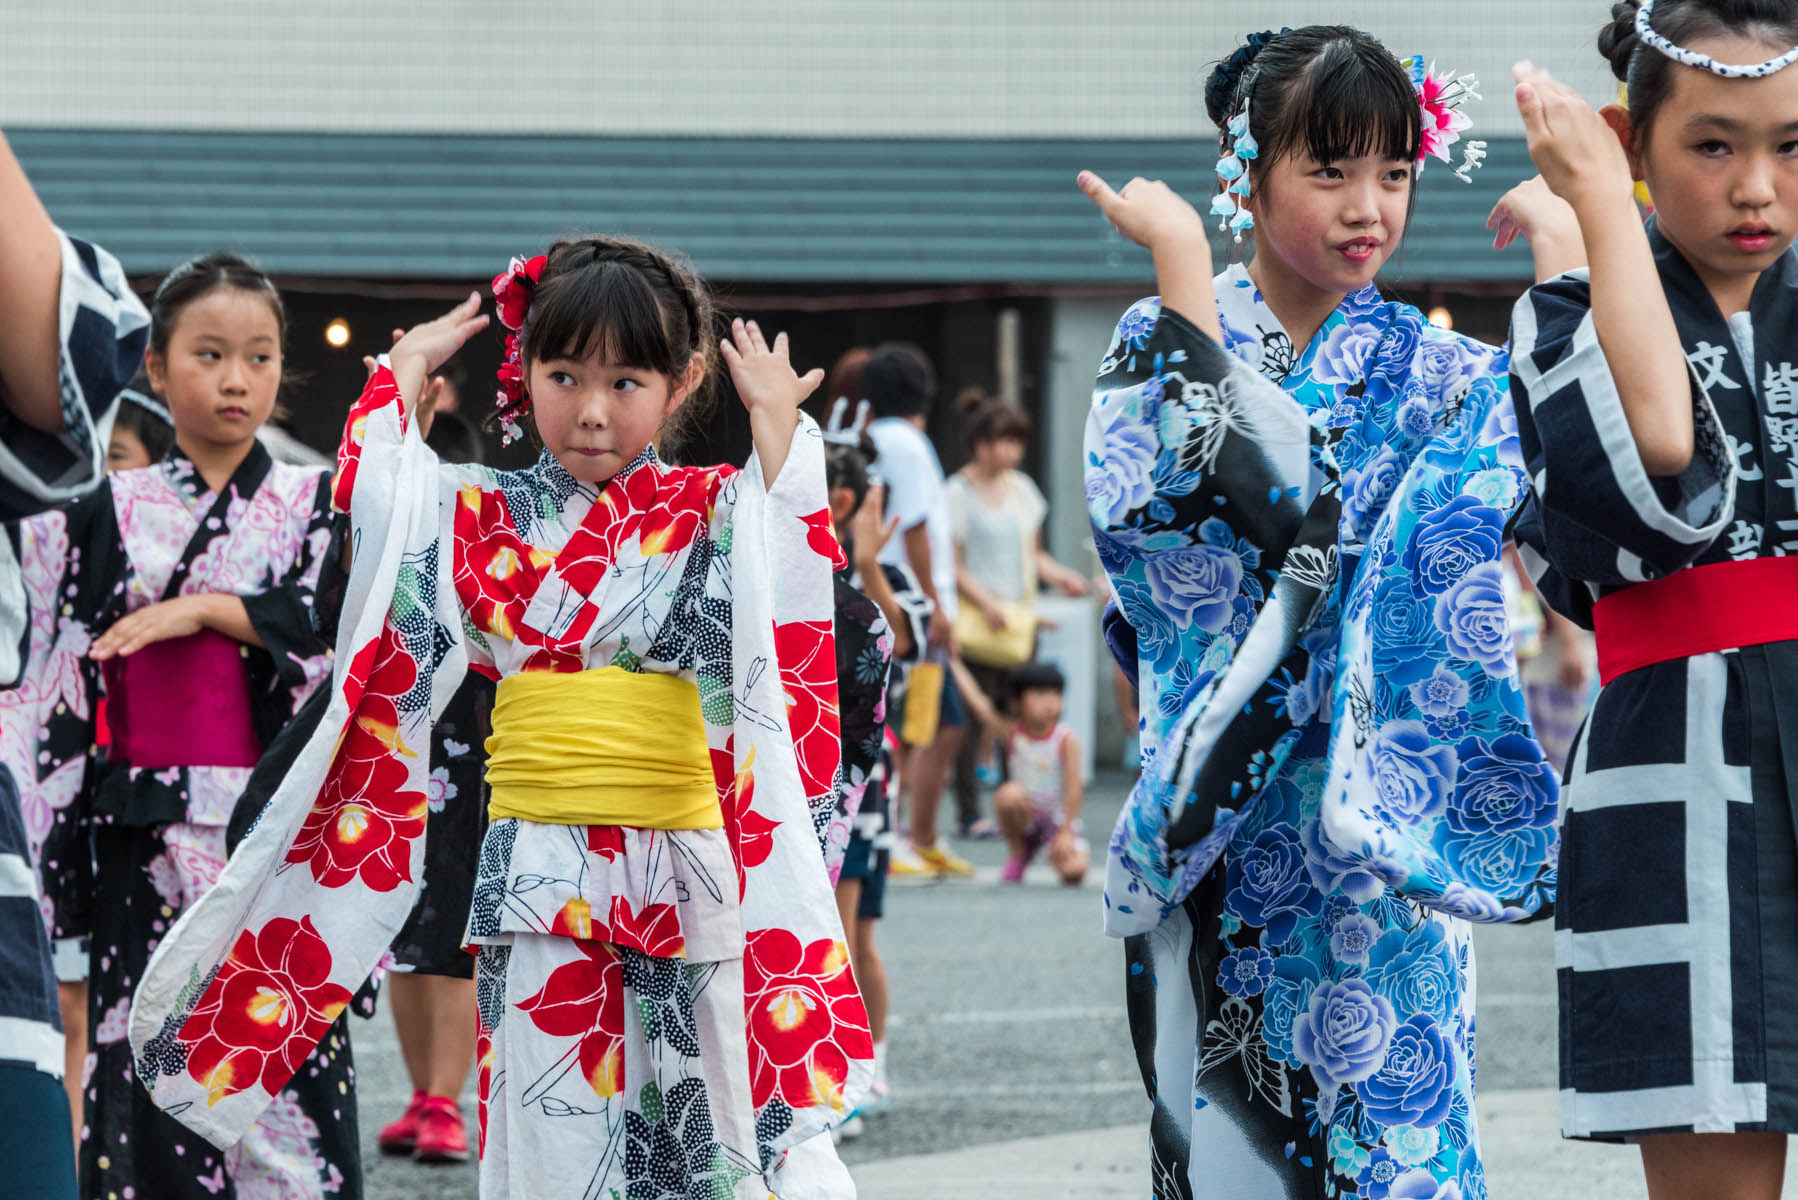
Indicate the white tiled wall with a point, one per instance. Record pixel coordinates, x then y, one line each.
955 68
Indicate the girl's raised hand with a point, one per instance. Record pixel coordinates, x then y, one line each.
764 374
1531 210
425 410
869 528
426 347
1578 154
1148 212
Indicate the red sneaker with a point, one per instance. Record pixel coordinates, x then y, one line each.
399 1137
441 1135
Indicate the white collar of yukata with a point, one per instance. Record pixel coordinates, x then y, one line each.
1705 62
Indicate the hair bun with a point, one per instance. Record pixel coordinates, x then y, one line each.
1226 77
1618 41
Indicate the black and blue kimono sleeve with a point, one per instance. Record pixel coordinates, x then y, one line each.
1595 516
1204 482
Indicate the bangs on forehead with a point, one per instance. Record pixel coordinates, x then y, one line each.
606 310
1344 106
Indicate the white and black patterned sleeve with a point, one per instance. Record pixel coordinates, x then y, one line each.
1597 516
104 330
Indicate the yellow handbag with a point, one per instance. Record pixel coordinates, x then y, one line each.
980 643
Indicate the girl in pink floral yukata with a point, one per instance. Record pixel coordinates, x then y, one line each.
666 1005
188 590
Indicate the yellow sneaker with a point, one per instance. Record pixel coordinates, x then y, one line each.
943 862
904 861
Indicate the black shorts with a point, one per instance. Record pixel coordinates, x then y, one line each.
862 861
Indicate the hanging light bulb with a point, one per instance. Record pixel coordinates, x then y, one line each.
1441 318
337 333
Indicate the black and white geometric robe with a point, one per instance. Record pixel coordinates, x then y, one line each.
1676 940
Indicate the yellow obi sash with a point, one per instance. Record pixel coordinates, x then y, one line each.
605 747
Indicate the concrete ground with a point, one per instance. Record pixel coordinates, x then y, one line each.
1012 1068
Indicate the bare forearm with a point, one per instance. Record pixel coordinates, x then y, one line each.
30 281
975 698
1557 253
773 433
917 554
227 615
877 589
1183 273
1073 788
965 583
1636 332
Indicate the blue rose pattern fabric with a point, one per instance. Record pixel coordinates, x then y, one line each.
1338 765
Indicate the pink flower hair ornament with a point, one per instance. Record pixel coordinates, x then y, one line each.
1441 98
512 290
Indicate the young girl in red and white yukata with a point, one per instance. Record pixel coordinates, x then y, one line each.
666 1005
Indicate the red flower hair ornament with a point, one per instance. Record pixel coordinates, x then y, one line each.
512 289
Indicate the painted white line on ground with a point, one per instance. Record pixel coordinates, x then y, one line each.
1007 1016
1094 1087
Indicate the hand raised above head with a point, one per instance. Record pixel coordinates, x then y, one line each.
1148 212
764 373
1578 154
426 347
869 528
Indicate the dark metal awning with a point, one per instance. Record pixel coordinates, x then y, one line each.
769 210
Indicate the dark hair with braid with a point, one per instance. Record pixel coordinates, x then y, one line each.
630 303
1650 74
1330 91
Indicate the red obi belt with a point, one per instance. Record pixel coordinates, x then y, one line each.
184 702
1700 610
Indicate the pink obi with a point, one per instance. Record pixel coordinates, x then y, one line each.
181 703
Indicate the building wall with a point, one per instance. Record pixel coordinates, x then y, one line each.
942 68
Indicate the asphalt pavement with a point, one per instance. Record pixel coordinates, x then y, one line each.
1011 1063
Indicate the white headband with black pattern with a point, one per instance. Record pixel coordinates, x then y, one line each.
1705 62
149 404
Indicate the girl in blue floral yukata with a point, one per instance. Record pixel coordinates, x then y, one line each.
1300 491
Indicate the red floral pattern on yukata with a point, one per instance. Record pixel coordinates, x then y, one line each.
806 1019
654 929
380 392
365 819
808 673
821 536
585 999
496 573
269 1006
681 512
